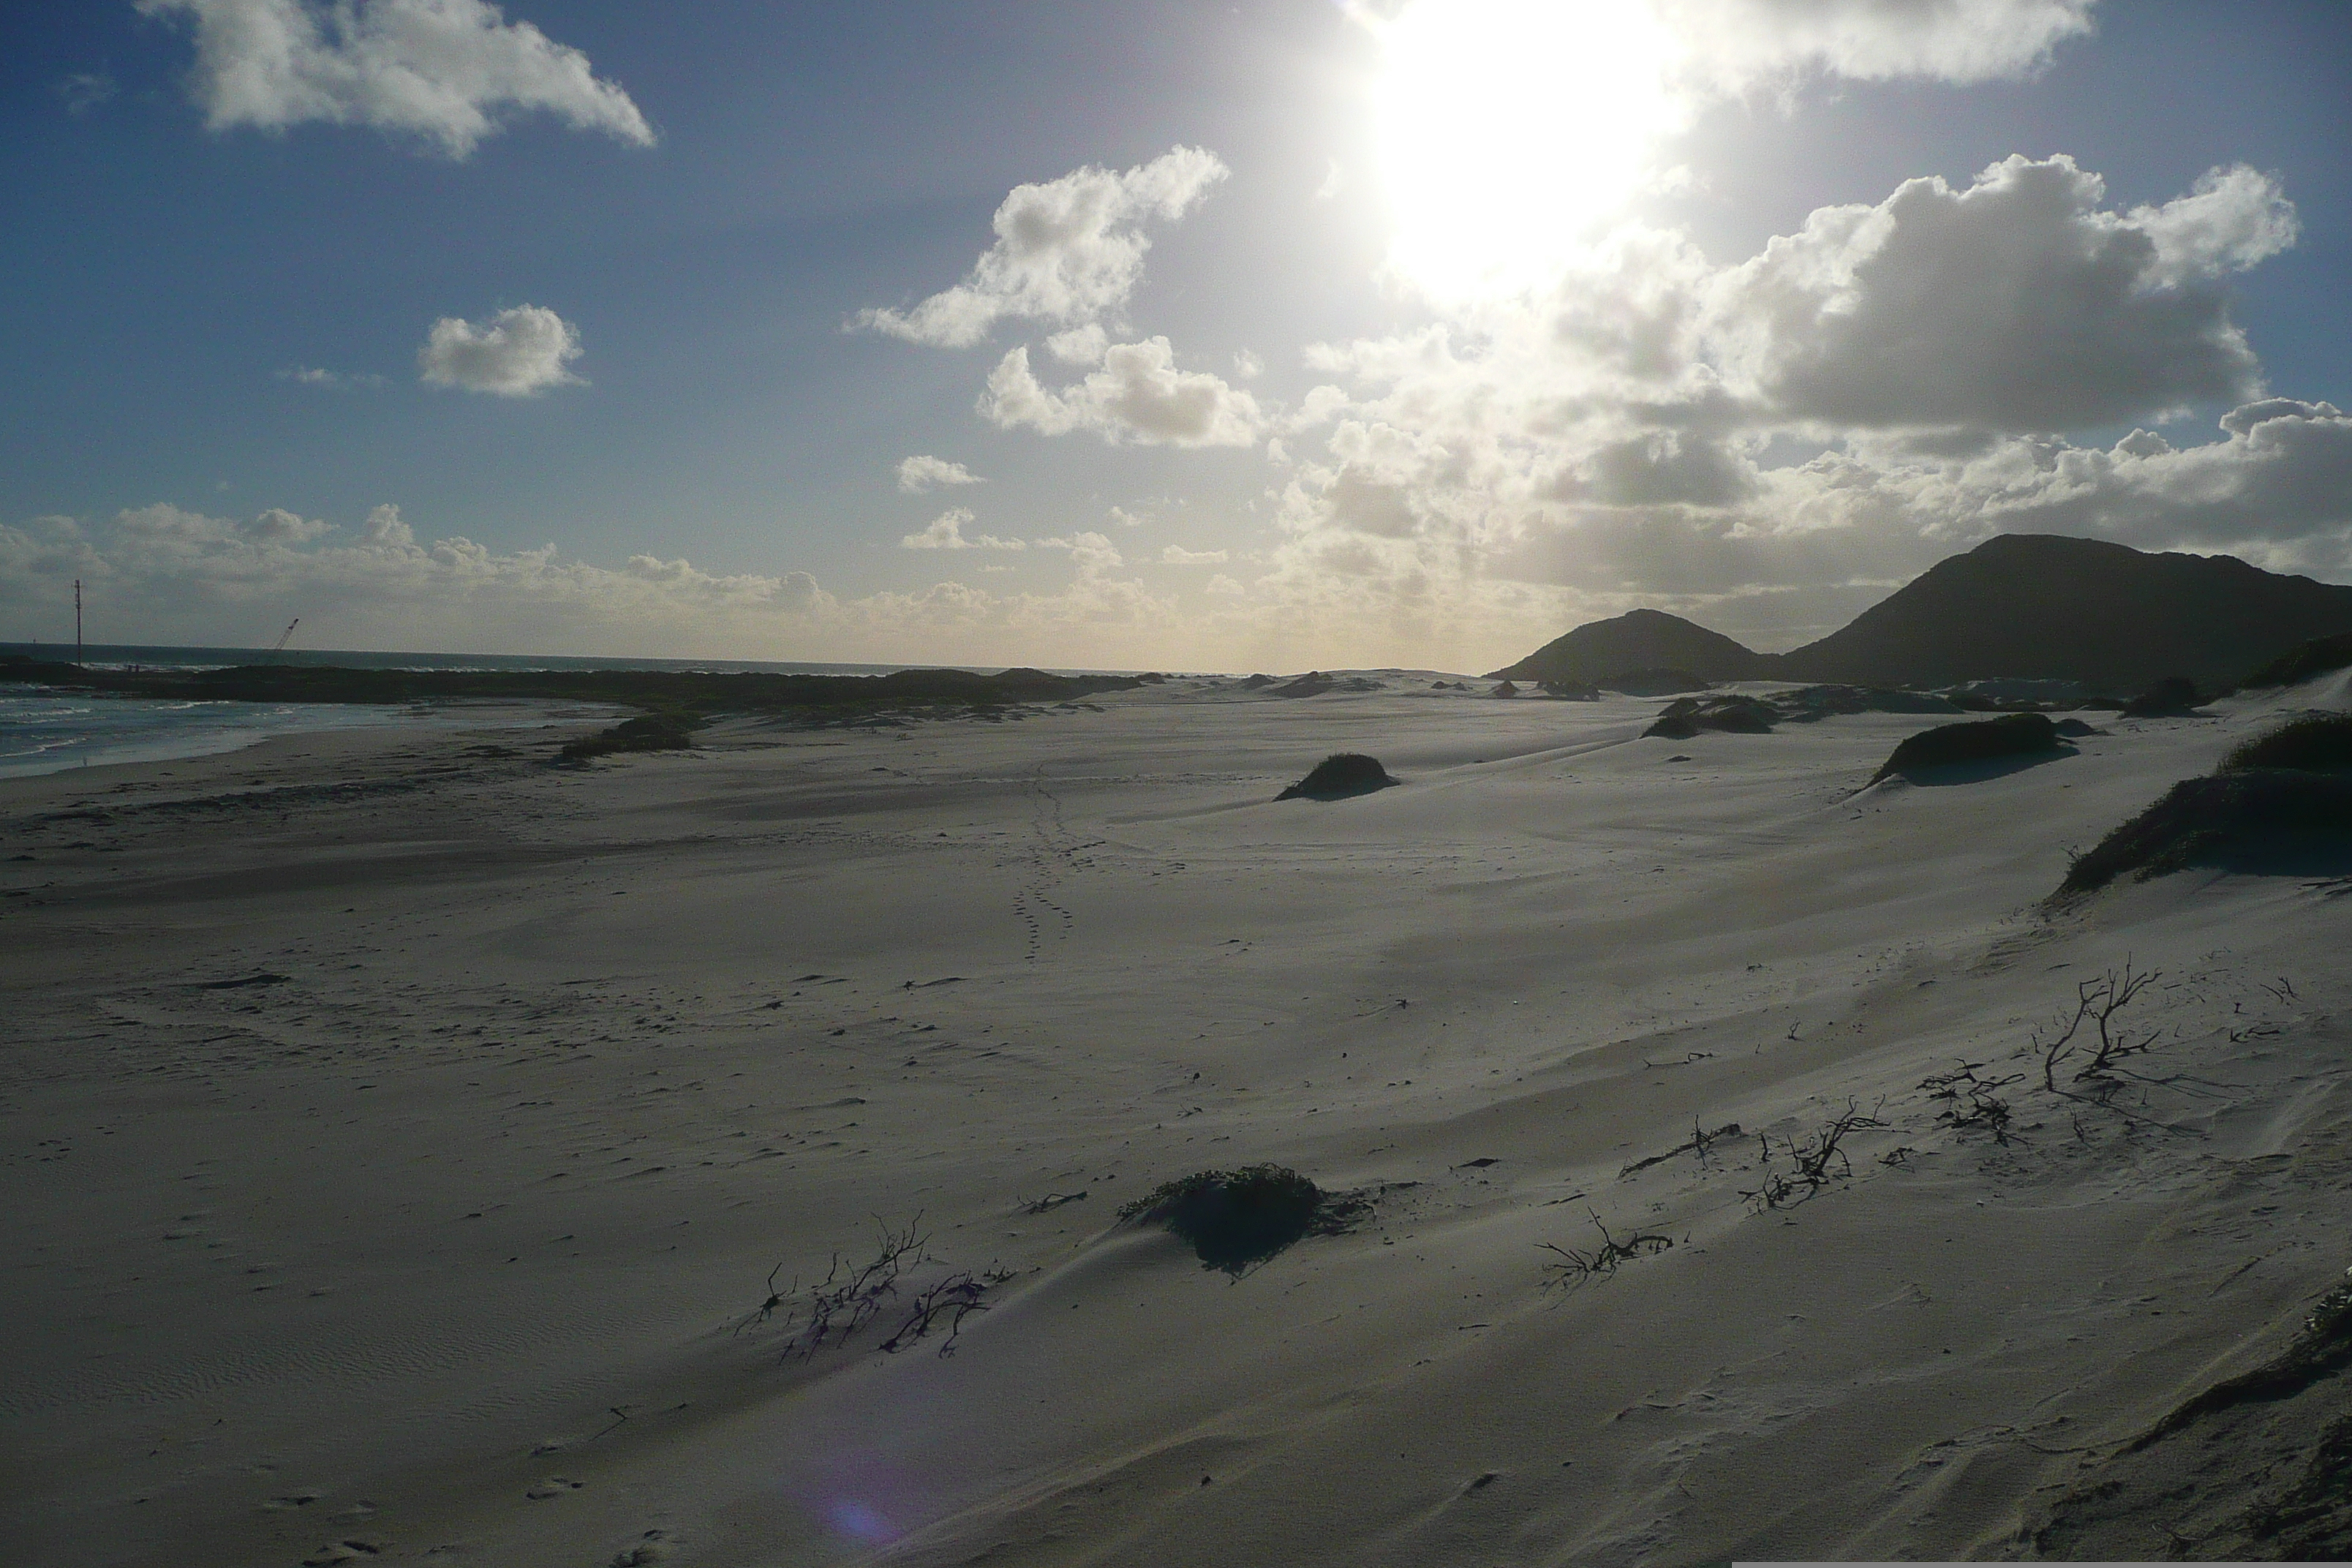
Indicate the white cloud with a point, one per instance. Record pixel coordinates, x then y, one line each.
2233 218
1224 586
169 526
1080 345
85 91
1247 366
919 474
327 380
384 529
184 577
1092 552
1734 45
1068 252
1124 518
442 71
1177 555
517 353
2018 303
1137 396
946 533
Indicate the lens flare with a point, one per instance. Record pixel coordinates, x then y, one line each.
1507 129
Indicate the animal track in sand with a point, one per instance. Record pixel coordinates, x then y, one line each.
1056 848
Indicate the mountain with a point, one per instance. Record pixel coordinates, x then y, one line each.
2114 618
1639 639
2035 606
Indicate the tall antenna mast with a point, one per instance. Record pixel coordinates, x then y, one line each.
76 620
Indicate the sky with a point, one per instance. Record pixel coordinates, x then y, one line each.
1134 334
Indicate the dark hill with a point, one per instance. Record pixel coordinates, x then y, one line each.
2039 605
2021 606
1639 640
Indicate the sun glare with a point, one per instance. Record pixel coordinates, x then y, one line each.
1508 129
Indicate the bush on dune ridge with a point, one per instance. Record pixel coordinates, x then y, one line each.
2321 656
1235 1218
2317 742
2295 779
2207 818
647 732
1339 776
1985 740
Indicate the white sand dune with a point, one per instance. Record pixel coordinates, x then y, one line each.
441 1248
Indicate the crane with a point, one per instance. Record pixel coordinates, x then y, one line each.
279 646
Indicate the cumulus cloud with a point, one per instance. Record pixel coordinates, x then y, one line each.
170 525
1139 397
1068 252
919 474
1092 552
517 353
946 533
442 70
1177 555
186 577
2018 303
385 530
1772 445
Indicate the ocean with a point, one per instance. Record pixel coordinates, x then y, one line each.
46 732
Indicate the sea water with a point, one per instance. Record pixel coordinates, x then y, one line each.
45 729
48 731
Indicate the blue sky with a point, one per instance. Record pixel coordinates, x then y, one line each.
1327 418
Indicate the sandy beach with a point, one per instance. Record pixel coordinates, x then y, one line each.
401 1132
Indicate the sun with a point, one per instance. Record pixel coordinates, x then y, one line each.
1507 129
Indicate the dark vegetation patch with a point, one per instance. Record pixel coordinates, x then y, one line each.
2206 819
1314 683
1569 690
1505 689
1338 776
671 691
2317 742
1235 1219
1983 740
2321 656
2173 697
1686 716
646 732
